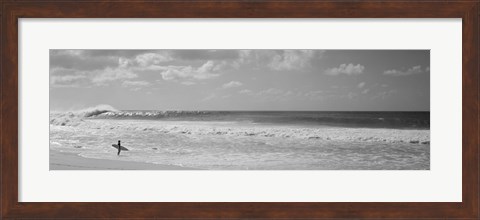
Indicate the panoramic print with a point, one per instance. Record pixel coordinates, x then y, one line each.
238 109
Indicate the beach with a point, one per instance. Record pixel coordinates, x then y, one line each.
70 161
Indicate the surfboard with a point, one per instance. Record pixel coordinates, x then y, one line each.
116 146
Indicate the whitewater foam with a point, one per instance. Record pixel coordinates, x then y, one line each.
242 145
75 118
247 129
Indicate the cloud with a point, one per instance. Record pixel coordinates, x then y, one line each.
206 71
411 71
101 67
365 91
347 69
145 60
232 84
278 60
291 59
83 60
129 68
76 59
148 59
361 85
99 59
67 80
109 74
63 77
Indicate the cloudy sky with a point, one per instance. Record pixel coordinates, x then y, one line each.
316 80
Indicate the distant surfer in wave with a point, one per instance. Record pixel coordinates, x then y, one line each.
119 148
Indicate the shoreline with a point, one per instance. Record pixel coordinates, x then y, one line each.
71 161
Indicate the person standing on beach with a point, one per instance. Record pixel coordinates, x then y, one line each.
119 148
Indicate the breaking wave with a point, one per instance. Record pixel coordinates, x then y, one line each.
402 120
159 114
74 118
395 120
97 110
222 129
375 127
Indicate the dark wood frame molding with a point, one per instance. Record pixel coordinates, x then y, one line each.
11 11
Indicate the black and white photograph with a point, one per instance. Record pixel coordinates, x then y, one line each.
239 109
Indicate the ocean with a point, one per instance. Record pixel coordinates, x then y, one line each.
249 140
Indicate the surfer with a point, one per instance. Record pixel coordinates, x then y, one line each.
119 148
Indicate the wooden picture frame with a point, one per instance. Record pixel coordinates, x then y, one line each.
12 10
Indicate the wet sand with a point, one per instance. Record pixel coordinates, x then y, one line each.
70 161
